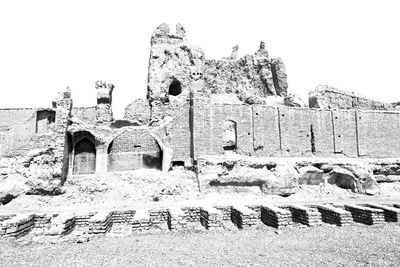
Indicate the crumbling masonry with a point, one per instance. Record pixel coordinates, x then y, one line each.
198 107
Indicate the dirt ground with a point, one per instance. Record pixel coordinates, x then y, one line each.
325 245
151 188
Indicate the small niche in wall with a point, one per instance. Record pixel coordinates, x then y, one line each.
43 119
229 136
175 88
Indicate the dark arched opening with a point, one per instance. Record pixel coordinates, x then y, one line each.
84 157
175 88
229 136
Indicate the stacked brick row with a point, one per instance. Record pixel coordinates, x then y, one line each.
82 220
141 220
242 217
226 212
4 217
391 214
101 222
63 224
193 214
158 216
256 208
123 216
18 226
176 219
305 215
275 217
335 216
42 220
366 215
211 218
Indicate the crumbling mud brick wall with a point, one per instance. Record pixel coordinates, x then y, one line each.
327 97
345 133
134 149
283 131
266 132
378 133
85 114
181 136
295 131
16 127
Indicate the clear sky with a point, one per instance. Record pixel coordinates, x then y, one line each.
47 45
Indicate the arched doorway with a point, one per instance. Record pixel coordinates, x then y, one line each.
134 149
229 137
84 157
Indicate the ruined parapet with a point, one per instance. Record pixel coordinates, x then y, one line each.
279 76
252 77
63 105
327 97
104 113
138 111
170 64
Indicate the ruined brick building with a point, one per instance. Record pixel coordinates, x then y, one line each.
197 107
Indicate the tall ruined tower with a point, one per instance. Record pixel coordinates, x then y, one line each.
171 62
104 113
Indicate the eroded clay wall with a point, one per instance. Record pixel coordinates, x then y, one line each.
266 136
322 127
16 127
280 131
85 114
378 134
181 132
345 133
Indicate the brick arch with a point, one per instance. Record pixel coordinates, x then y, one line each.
83 153
84 157
134 149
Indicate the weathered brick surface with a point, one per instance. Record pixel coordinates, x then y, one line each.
305 215
211 218
295 125
62 224
378 133
275 216
177 218
243 217
365 215
334 215
391 214
266 130
19 225
141 220
345 137
193 213
242 116
101 222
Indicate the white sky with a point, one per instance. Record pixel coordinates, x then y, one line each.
46 45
